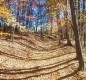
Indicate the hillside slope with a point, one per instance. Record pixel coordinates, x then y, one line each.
33 58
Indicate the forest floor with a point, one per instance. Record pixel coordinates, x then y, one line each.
33 58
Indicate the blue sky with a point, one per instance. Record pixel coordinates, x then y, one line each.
38 12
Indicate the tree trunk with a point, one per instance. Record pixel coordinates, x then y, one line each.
84 39
84 24
66 26
41 32
36 26
51 21
77 40
67 37
12 36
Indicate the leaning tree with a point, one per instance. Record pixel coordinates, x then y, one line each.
76 34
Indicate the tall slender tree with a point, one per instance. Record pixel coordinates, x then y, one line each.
84 23
66 25
77 40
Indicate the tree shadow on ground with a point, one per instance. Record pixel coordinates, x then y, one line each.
35 59
38 48
28 46
39 70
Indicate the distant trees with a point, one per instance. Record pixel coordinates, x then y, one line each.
56 8
53 10
31 13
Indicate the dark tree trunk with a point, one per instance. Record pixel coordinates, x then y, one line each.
12 35
84 39
36 26
41 32
51 21
84 23
67 37
77 40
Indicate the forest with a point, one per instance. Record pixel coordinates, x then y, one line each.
42 39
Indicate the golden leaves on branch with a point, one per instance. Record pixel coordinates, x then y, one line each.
55 6
5 13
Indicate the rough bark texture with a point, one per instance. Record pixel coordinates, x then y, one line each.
77 40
